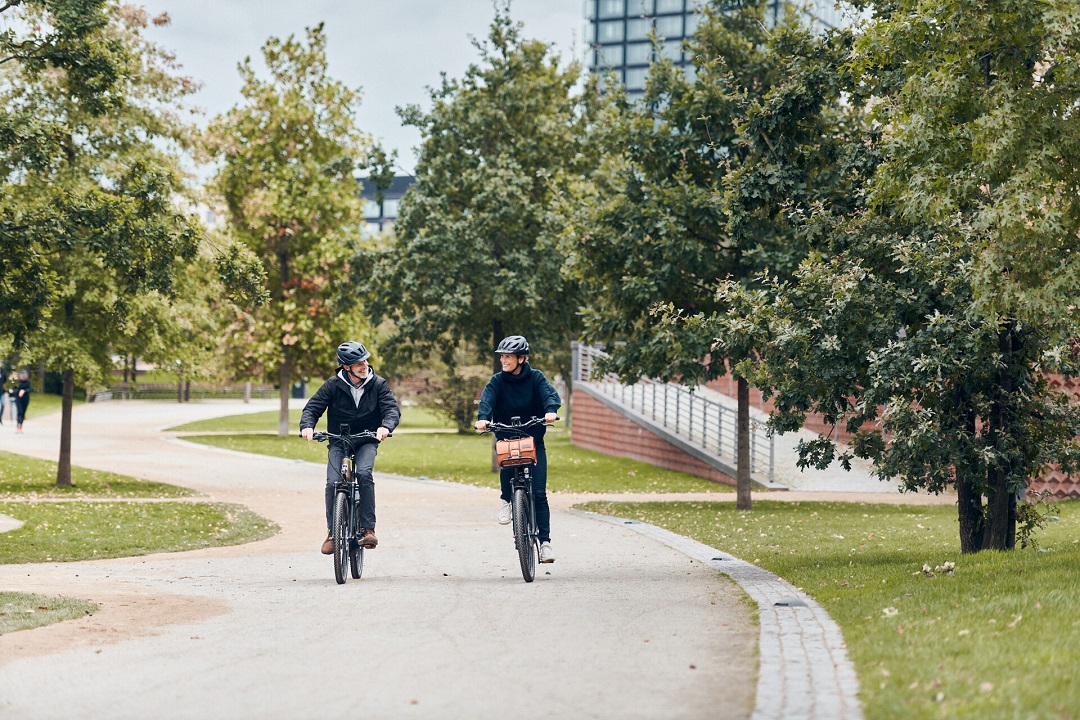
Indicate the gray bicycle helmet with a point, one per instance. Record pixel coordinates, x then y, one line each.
350 353
513 345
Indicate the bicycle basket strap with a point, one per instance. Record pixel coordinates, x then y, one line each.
516 451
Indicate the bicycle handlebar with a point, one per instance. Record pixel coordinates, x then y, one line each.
362 435
503 427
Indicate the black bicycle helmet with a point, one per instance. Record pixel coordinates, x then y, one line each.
513 345
350 353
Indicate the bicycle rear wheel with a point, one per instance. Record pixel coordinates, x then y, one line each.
341 537
522 538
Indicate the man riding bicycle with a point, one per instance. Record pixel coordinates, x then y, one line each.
357 397
520 391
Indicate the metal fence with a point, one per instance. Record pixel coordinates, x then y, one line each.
703 423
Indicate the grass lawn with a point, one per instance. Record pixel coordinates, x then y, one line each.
411 418
21 475
22 611
69 531
997 638
467 459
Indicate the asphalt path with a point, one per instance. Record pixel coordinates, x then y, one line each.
440 626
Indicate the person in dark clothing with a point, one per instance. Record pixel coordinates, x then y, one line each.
357 397
520 391
22 398
3 393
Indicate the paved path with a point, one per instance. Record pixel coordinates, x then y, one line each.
441 626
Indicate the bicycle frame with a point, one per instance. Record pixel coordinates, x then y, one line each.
526 531
349 551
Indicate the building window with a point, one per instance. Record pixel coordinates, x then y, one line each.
692 22
690 72
371 209
609 56
638 29
590 9
372 228
390 208
635 78
671 50
668 6
640 7
610 31
612 8
669 27
639 53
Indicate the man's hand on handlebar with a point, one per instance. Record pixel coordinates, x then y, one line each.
307 433
550 417
381 434
482 425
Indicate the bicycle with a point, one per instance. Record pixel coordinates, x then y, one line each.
519 453
348 552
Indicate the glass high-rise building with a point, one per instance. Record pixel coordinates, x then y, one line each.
618 33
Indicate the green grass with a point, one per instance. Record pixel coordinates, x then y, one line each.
467 459
22 611
70 531
21 475
411 418
998 638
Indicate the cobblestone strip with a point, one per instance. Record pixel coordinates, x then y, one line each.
804 672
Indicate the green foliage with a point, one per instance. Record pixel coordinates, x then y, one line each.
89 132
940 302
22 611
707 178
288 157
997 637
474 255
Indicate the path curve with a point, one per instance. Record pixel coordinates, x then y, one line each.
440 626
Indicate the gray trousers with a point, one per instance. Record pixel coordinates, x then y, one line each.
365 463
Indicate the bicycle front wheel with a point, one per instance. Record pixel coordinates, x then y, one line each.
522 537
341 537
356 559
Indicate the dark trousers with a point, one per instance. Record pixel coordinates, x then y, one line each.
539 488
365 463
20 406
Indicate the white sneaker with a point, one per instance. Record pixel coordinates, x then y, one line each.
504 514
547 555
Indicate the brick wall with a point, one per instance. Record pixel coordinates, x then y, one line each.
598 427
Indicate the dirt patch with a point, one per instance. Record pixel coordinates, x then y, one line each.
123 613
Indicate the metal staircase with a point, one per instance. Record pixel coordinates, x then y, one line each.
703 428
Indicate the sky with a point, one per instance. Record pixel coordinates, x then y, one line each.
392 50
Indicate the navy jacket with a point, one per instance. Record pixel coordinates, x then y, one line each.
378 407
525 395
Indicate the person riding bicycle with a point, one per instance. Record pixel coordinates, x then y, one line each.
357 397
520 391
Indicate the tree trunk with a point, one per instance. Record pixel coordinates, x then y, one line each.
41 376
63 468
179 388
999 532
285 385
970 514
187 391
742 460
247 392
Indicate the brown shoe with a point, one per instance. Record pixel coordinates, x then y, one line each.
328 545
369 540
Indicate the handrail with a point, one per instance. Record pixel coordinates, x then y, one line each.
702 422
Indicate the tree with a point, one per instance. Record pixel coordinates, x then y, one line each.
700 182
944 301
94 218
474 253
289 154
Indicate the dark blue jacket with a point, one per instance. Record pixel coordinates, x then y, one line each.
525 395
378 406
